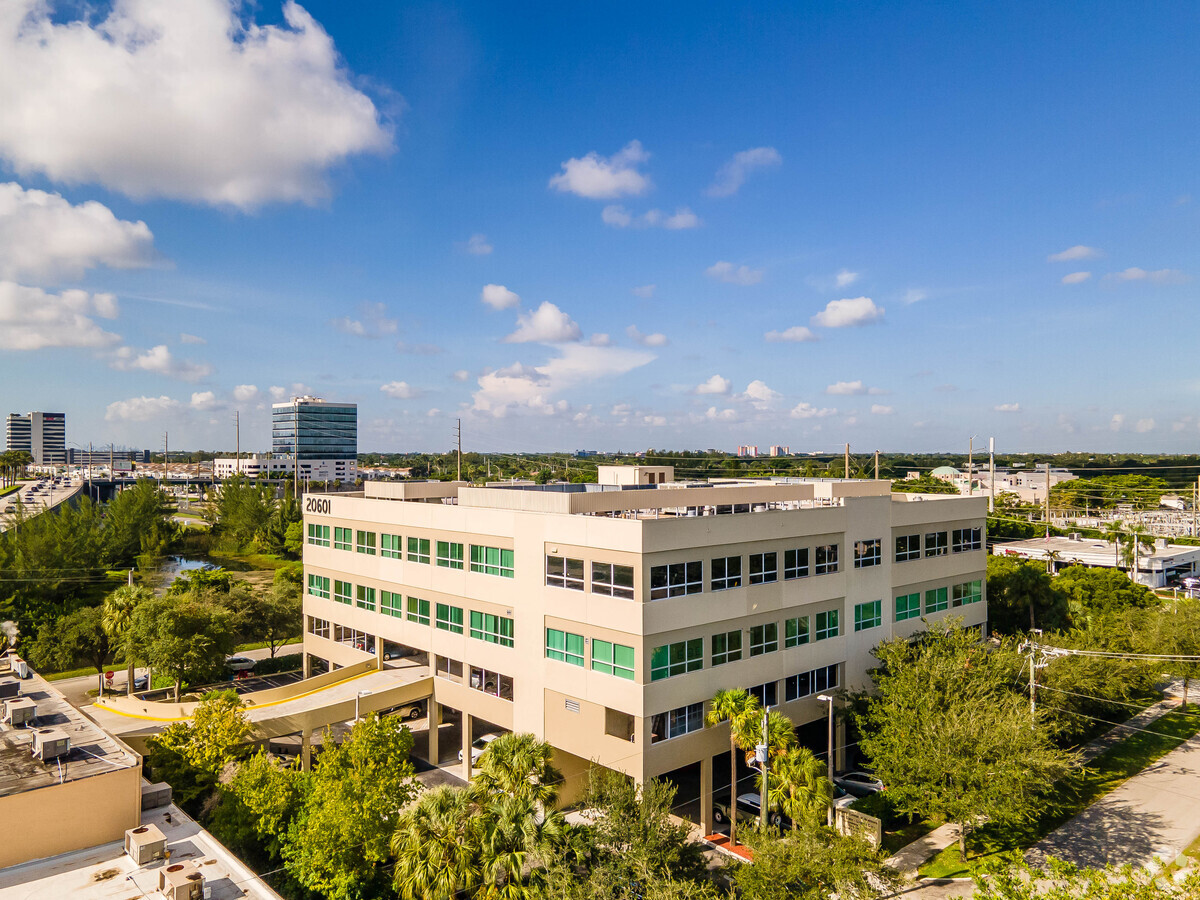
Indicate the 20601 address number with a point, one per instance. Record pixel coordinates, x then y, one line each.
317 505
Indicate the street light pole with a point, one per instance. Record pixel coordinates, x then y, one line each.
825 698
760 754
357 698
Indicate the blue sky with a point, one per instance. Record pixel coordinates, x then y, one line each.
896 225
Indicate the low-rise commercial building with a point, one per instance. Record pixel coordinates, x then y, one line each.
1158 567
603 617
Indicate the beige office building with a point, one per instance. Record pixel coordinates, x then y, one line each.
603 617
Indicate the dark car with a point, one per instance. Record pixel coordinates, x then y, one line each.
860 784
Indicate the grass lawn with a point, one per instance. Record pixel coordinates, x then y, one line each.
10 489
258 560
1105 773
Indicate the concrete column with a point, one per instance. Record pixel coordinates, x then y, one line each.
307 666
305 750
467 720
378 652
434 717
706 795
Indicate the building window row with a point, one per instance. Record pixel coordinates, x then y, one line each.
908 606
682 657
608 658
318 627
318 535
492 561
676 722
808 683
725 572
609 579
491 628
318 586
676 579
678 658
938 543
449 554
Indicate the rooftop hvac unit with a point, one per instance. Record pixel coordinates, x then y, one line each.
181 882
19 711
9 687
145 844
51 743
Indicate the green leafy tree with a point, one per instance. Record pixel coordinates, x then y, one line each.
138 526
736 707
1021 596
118 619
191 755
1174 629
258 804
273 615
186 637
926 484
1093 593
76 637
951 738
813 863
339 841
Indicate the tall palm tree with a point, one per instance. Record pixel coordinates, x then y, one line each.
1053 557
515 839
433 846
781 738
1116 531
117 618
1138 538
519 765
796 784
736 707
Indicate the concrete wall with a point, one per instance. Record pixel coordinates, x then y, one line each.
70 816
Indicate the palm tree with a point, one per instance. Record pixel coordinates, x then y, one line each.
796 784
518 765
515 839
1138 539
118 611
736 707
781 738
1052 560
433 845
1116 531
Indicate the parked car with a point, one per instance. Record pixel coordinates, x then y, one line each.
748 808
239 663
477 747
141 682
860 784
412 711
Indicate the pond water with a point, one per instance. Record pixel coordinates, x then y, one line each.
173 566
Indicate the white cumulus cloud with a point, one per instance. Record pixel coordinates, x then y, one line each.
44 238
545 325
1117 421
400 390
1008 408
645 291
805 410
599 178
140 409
533 389
203 400
797 334
186 100
185 338
244 393
847 313
846 388
460 375
619 217
759 395
721 415
646 340
731 176
33 319
1076 277
159 361
731 274
1079 251
497 296
714 385
844 278
878 409
478 245
1143 426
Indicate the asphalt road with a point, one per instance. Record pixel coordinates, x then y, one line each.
1155 813
76 689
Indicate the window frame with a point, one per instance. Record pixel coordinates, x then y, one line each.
565 653
391 604
767 640
830 564
680 579
908 611
365 597
605 661
343 538
418 550
727 653
909 553
452 558
868 615
449 623
768 567
690 659
391 546
801 636
726 579
941 598
965 540
318 535
364 542
566 580
416 610
608 585
343 596
940 546
868 553
489 627
832 627
798 567
321 583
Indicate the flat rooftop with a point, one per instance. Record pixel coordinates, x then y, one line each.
106 873
93 751
1092 551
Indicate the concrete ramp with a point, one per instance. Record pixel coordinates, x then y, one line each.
301 707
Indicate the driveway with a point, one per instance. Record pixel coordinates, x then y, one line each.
1154 813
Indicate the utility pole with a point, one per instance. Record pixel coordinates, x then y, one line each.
1032 686
876 465
458 432
166 455
847 463
237 454
992 474
89 470
1195 500
971 466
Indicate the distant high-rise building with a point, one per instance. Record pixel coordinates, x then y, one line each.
778 450
42 435
322 437
747 450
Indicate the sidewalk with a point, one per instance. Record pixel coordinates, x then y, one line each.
910 858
